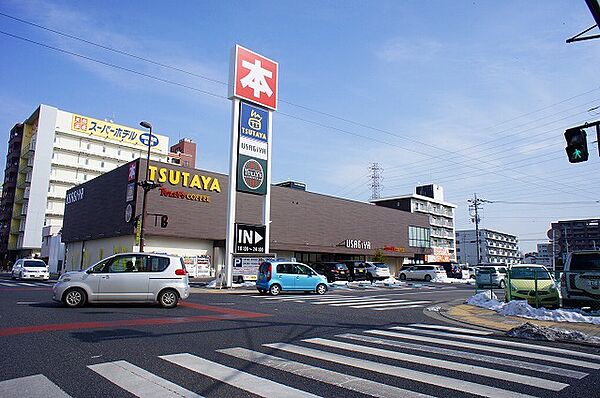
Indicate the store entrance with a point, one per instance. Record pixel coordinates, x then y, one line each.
311 258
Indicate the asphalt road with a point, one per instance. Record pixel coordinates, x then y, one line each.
372 342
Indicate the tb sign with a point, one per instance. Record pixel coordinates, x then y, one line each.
254 78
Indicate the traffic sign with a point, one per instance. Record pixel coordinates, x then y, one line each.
249 238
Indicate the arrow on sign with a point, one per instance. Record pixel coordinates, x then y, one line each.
257 237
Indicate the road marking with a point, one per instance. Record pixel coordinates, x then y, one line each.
453 342
26 284
140 382
505 343
27 302
452 329
295 298
389 370
36 386
337 379
391 303
246 381
443 364
7 284
515 363
400 307
355 301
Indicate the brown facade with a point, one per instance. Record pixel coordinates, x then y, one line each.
195 202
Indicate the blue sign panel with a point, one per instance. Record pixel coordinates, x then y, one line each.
145 139
254 122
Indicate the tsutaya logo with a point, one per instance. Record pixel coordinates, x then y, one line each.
253 174
254 131
358 244
255 78
185 179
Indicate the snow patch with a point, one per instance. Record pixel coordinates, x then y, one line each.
522 309
436 308
535 332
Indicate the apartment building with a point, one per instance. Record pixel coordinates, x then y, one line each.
494 247
51 152
570 235
429 200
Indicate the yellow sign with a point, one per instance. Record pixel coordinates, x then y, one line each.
115 132
184 179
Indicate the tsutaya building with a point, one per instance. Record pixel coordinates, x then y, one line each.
307 226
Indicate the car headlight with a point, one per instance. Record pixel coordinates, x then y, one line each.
64 278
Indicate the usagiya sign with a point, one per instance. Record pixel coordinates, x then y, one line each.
184 179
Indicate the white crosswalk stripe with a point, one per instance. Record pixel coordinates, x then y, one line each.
377 303
140 382
36 386
455 343
246 381
26 284
385 367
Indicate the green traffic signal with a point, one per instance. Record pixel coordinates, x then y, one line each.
577 150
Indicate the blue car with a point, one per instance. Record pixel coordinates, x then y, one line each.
276 276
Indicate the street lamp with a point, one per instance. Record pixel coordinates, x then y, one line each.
146 185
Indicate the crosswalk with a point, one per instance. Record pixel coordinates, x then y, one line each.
375 303
21 284
414 361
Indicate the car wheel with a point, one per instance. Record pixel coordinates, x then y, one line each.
370 278
168 298
402 277
12 275
275 289
502 284
74 297
321 289
427 278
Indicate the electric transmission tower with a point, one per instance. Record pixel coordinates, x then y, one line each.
474 207
376 178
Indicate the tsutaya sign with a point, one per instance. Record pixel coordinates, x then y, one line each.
253 91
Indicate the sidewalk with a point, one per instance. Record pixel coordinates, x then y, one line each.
476 316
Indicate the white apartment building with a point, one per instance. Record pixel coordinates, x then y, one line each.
429 199
495 247
544 255
60 150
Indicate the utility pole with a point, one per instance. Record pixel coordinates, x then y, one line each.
475 205
376 178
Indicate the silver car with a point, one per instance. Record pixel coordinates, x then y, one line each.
126 277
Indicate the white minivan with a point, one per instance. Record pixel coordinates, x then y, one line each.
126 277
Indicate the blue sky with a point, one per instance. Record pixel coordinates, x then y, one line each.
472 95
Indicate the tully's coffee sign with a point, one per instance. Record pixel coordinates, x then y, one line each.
357 244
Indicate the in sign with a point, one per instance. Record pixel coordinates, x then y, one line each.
250 238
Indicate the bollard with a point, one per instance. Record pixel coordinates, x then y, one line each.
508 286
491 286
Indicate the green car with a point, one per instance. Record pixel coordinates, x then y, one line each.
522 286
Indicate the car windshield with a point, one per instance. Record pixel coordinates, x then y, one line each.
341 266
34 263
380 265
529 273
486 271
585 262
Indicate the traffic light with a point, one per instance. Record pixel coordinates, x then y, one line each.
164 221
577 150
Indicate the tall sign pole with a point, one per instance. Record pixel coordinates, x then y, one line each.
253 91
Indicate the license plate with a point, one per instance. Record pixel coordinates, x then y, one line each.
342 272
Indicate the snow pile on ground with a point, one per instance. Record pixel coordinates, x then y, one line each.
444 279
522 309
436 308
535 332
212 284
216 283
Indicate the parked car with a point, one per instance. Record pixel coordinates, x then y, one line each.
532 283
126 277
472 272
277 276
30 268
422 272
580 281
488 276
333 271
357 270
453 269
377 271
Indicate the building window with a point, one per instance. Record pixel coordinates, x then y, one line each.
419 237
102 164
87 161
88 145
